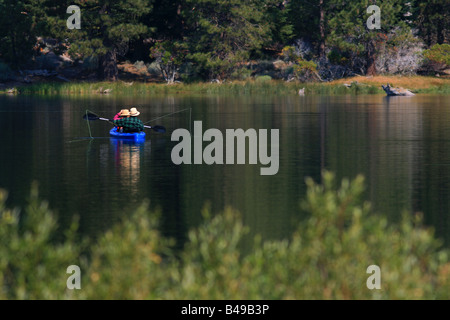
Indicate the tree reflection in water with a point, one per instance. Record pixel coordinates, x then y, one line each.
127 159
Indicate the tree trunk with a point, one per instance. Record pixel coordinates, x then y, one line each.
429 37
371 59
108 66
14 59
440 32
322 29
172 78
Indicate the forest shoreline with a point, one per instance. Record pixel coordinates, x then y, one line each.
260 85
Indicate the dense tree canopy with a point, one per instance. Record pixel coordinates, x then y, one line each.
223 33
21 22
433 20
107 29
350 32
221 37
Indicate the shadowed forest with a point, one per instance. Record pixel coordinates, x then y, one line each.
221 40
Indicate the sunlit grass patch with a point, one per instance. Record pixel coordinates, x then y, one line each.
352 86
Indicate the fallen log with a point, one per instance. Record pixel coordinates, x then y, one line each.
390 91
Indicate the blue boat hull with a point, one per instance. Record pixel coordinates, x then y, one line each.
134 136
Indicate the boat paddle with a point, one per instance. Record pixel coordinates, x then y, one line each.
90 116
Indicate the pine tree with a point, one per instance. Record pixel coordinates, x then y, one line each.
223 33
107 28
349 32
309 22
276 13
20 24
433 21
166 19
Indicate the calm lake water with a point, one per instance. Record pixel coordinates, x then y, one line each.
400 144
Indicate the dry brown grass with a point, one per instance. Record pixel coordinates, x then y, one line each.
409 82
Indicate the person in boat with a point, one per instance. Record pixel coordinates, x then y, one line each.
130 121
120 115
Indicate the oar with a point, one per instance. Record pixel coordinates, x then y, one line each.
91 116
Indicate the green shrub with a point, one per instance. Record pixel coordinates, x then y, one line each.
127 261
242 73
32 263
325 258
336 57
439 53
303 70
263 79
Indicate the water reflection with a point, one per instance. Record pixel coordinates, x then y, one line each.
400 144
127 162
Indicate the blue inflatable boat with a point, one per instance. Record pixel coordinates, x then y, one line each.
134 136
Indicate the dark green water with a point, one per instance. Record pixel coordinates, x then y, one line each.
400 144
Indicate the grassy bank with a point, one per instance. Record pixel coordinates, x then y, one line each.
417 84
327 257
262 85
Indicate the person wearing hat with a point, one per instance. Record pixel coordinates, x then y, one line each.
134 112
121 114
130 122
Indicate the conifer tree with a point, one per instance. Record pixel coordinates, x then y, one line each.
20 23
309 22
433 21
349 32
107 28
223 33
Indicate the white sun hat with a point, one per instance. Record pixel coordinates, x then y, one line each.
134 112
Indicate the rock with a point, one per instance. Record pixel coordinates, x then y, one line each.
354 83
279 64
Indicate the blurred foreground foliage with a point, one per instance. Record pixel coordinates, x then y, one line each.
325 258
